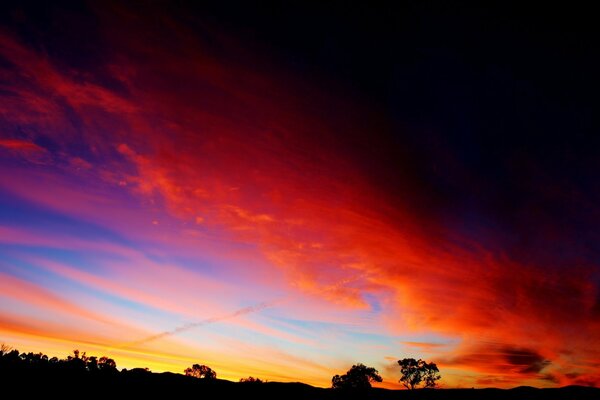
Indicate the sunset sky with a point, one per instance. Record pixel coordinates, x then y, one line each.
286 191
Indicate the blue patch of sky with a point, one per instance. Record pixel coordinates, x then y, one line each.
65 287
205 264
317 330
17 212
373 302
358 334
79 259
243 334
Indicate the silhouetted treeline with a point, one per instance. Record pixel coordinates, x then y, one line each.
77 363
35 375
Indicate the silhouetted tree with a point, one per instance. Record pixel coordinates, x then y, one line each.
106 364
4 349
431 375
77 361
12 357
411 373
201 372
35 359
358 377
250 379
416 371
92 364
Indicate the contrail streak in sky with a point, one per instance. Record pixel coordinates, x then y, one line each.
191 325
242 311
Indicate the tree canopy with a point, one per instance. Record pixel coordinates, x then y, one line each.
358 377
77 363
414 372
251 379
200 372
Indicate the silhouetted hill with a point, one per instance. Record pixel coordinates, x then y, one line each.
35 375
142 384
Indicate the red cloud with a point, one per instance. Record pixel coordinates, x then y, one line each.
26 150
20 145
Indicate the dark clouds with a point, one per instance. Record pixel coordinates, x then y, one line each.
502 358
489 110
527 360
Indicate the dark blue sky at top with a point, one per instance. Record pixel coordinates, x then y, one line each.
489 110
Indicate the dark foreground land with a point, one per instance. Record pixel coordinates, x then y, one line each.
141 384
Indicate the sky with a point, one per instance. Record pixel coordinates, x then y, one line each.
284 191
